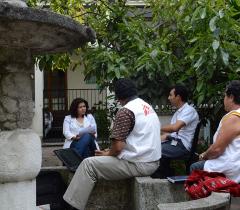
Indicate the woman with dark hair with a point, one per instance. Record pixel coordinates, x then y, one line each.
223 155
80 129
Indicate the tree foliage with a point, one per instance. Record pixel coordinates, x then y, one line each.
195 42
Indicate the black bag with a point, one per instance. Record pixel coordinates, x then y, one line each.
50 190
70 158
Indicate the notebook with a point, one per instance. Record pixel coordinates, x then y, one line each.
177 179
69 157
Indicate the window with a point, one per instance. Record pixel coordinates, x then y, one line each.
91 80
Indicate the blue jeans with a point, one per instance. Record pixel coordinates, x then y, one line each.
85 146
170 152
197 166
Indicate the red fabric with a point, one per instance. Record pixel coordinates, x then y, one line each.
201 184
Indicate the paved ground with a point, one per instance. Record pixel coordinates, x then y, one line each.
48 156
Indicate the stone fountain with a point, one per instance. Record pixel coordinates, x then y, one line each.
25 32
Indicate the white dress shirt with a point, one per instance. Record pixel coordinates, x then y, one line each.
71 127
189 116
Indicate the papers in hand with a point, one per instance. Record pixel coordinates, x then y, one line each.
177 179
89 129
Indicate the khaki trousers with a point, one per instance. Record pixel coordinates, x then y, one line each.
102 167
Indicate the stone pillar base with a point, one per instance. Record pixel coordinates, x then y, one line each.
18 195
20 162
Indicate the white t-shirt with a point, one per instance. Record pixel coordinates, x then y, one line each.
189 116
229 162
71 127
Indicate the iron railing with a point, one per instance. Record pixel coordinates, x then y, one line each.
61 99
58 101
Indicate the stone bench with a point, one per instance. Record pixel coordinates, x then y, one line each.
159 194
106 195
218 201
144 193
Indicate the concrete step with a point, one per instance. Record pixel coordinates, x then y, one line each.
43 207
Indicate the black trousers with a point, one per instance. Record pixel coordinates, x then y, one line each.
170 152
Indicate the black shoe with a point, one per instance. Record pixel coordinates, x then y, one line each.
161 173
158 174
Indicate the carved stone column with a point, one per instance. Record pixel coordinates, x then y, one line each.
24 32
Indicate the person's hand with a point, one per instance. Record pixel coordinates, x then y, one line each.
76 138
201 156
102 152
106 150
164 136
91 130
93 133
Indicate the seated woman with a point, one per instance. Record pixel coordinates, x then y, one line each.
224 154
80 129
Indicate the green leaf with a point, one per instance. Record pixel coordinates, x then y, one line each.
215 45
117 72
193 40
203 13
187 19
225 57
200 99
198 63
221 13
154 54
200 85
212 23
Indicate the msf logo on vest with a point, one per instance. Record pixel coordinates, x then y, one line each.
146 110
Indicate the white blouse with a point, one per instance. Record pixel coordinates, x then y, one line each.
71 127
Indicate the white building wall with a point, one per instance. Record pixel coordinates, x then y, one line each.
75 80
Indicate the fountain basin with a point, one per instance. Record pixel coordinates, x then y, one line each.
40 31
24 32
160 194
219 201
144 193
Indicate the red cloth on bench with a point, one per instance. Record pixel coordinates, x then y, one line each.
201 184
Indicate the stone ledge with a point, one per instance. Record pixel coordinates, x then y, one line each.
54 168
144 193
160 194
52 144
148 193
219 201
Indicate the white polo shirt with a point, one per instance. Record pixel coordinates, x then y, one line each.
189 116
